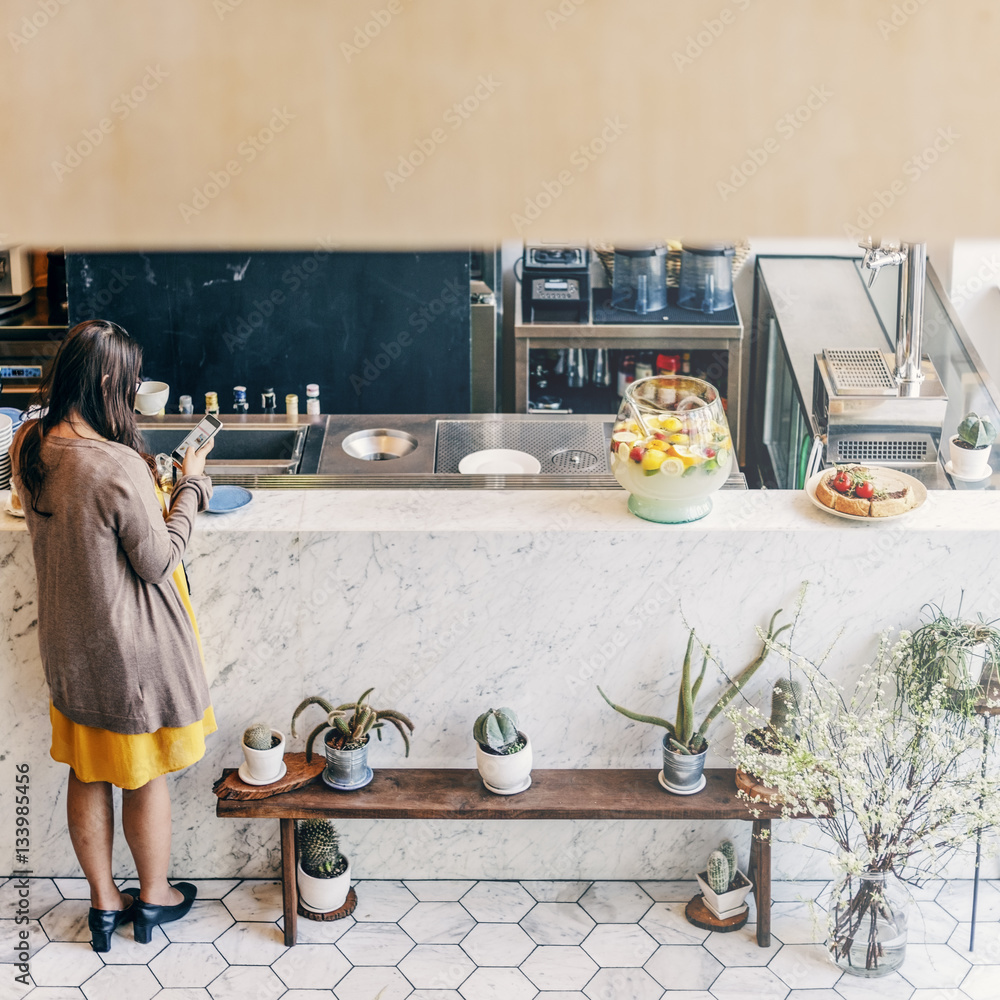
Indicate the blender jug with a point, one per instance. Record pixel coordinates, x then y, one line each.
640 281
707 277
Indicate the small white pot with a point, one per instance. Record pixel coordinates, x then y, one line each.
324 894
971 463
265 765
724 904
505 772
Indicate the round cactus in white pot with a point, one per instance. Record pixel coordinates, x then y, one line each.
324 874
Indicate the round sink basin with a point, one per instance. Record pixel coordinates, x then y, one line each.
378 444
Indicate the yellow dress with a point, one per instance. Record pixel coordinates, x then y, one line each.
130 761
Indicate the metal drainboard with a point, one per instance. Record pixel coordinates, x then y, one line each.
859 372
554 443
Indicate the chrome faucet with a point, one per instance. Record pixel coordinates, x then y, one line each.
912 261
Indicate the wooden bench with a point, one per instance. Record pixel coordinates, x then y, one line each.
422 793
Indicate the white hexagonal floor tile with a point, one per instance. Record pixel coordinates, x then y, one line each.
555 892
448 890
497 984
311 967
435 995
955 895
987 950
207 920
384 982
615 902
666 923
890 987
251 943
741 948
683 967
498 944
668 891
981 983
319 931
811 995
301 995
497 902
557 923
239 982
382 900
187 965
930 923
194 993
67 921
76 888
255 899
952 994
443 922
805 966
54 993
798 923
559 967
933 966
749 981
116 981
41 894
10 939
437 966
375 944
625 945
797 891
214 888
610 984
64 963
125 950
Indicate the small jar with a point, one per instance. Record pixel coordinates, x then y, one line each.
212 403
312 398
292 405
185 405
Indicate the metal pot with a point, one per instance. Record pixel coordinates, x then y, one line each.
347 770
682 773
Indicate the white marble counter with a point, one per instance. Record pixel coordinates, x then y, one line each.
449 602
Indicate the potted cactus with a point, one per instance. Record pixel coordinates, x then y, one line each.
503 753
264 752
348 729
971 447
684 747
324 874
723 886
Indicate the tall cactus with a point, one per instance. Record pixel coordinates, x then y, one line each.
728 850
786 696
258 736
717 871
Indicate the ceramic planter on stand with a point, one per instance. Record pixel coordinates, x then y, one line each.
263 767
347 770
729 903
969 463
682 773
505 773
323 895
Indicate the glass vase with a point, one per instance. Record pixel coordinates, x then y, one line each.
867 924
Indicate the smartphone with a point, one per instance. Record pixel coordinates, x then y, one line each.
208 427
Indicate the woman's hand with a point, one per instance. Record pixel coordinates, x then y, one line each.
194 461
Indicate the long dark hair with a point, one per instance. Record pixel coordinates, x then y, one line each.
94 375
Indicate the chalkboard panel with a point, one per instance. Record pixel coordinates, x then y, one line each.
379 332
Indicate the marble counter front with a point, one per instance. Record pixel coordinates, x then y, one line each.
449 602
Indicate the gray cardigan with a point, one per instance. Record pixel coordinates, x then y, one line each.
117 646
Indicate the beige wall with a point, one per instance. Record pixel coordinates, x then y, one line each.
588 123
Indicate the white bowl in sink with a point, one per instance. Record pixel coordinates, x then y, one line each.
500 461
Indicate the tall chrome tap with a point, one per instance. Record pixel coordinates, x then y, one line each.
912 261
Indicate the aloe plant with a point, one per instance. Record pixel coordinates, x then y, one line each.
352 723
682 736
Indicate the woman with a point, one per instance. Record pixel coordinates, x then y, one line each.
120 651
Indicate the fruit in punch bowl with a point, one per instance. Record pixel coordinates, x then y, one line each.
671 447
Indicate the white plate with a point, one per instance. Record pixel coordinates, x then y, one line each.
919 491
500 461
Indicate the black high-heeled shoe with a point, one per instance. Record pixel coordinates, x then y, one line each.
150 915
102 923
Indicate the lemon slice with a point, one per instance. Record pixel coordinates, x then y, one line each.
671 424
623 450
627 436
672 466
685 455
679 439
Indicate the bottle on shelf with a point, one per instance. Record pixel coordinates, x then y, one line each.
185 405
644 365
240 404
312 398
212 403
268 402
668 364
292 405
686 363
626 372
601 372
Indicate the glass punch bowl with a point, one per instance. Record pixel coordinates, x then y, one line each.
671 447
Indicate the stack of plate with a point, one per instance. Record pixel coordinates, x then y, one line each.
6 436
